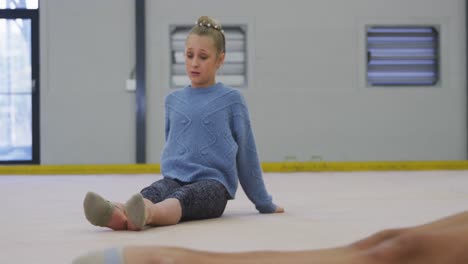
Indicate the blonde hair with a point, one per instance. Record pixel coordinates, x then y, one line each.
207 26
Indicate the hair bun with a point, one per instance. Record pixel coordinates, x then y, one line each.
206 21
207 26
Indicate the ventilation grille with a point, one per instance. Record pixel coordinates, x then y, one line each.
402 55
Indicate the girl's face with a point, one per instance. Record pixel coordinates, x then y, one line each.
202 60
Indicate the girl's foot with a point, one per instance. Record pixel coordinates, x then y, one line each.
101 212
144 254
136 212
110 255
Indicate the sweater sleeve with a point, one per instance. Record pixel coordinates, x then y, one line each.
248 165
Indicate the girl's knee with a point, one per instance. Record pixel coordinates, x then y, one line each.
395 250
172 255
376 238
160 260
158 255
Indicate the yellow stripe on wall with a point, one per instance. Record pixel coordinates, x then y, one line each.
79 169
350 166
321 166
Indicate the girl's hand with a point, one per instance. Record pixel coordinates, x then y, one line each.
279 209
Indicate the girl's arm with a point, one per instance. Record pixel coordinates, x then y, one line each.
248 165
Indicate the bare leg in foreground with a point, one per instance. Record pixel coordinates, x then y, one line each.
442 241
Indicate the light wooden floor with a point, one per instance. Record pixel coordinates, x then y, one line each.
42 219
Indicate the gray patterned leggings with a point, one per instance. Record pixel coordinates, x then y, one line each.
199 200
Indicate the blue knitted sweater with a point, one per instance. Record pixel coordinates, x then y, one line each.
208 136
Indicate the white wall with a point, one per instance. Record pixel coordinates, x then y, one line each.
87 53
307 92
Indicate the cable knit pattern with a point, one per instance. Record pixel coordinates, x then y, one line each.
209 136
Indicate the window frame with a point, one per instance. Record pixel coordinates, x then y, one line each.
33 15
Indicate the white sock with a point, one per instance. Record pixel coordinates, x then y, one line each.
107 256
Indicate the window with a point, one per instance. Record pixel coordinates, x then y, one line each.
19 4
19 82
232 73
402 55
